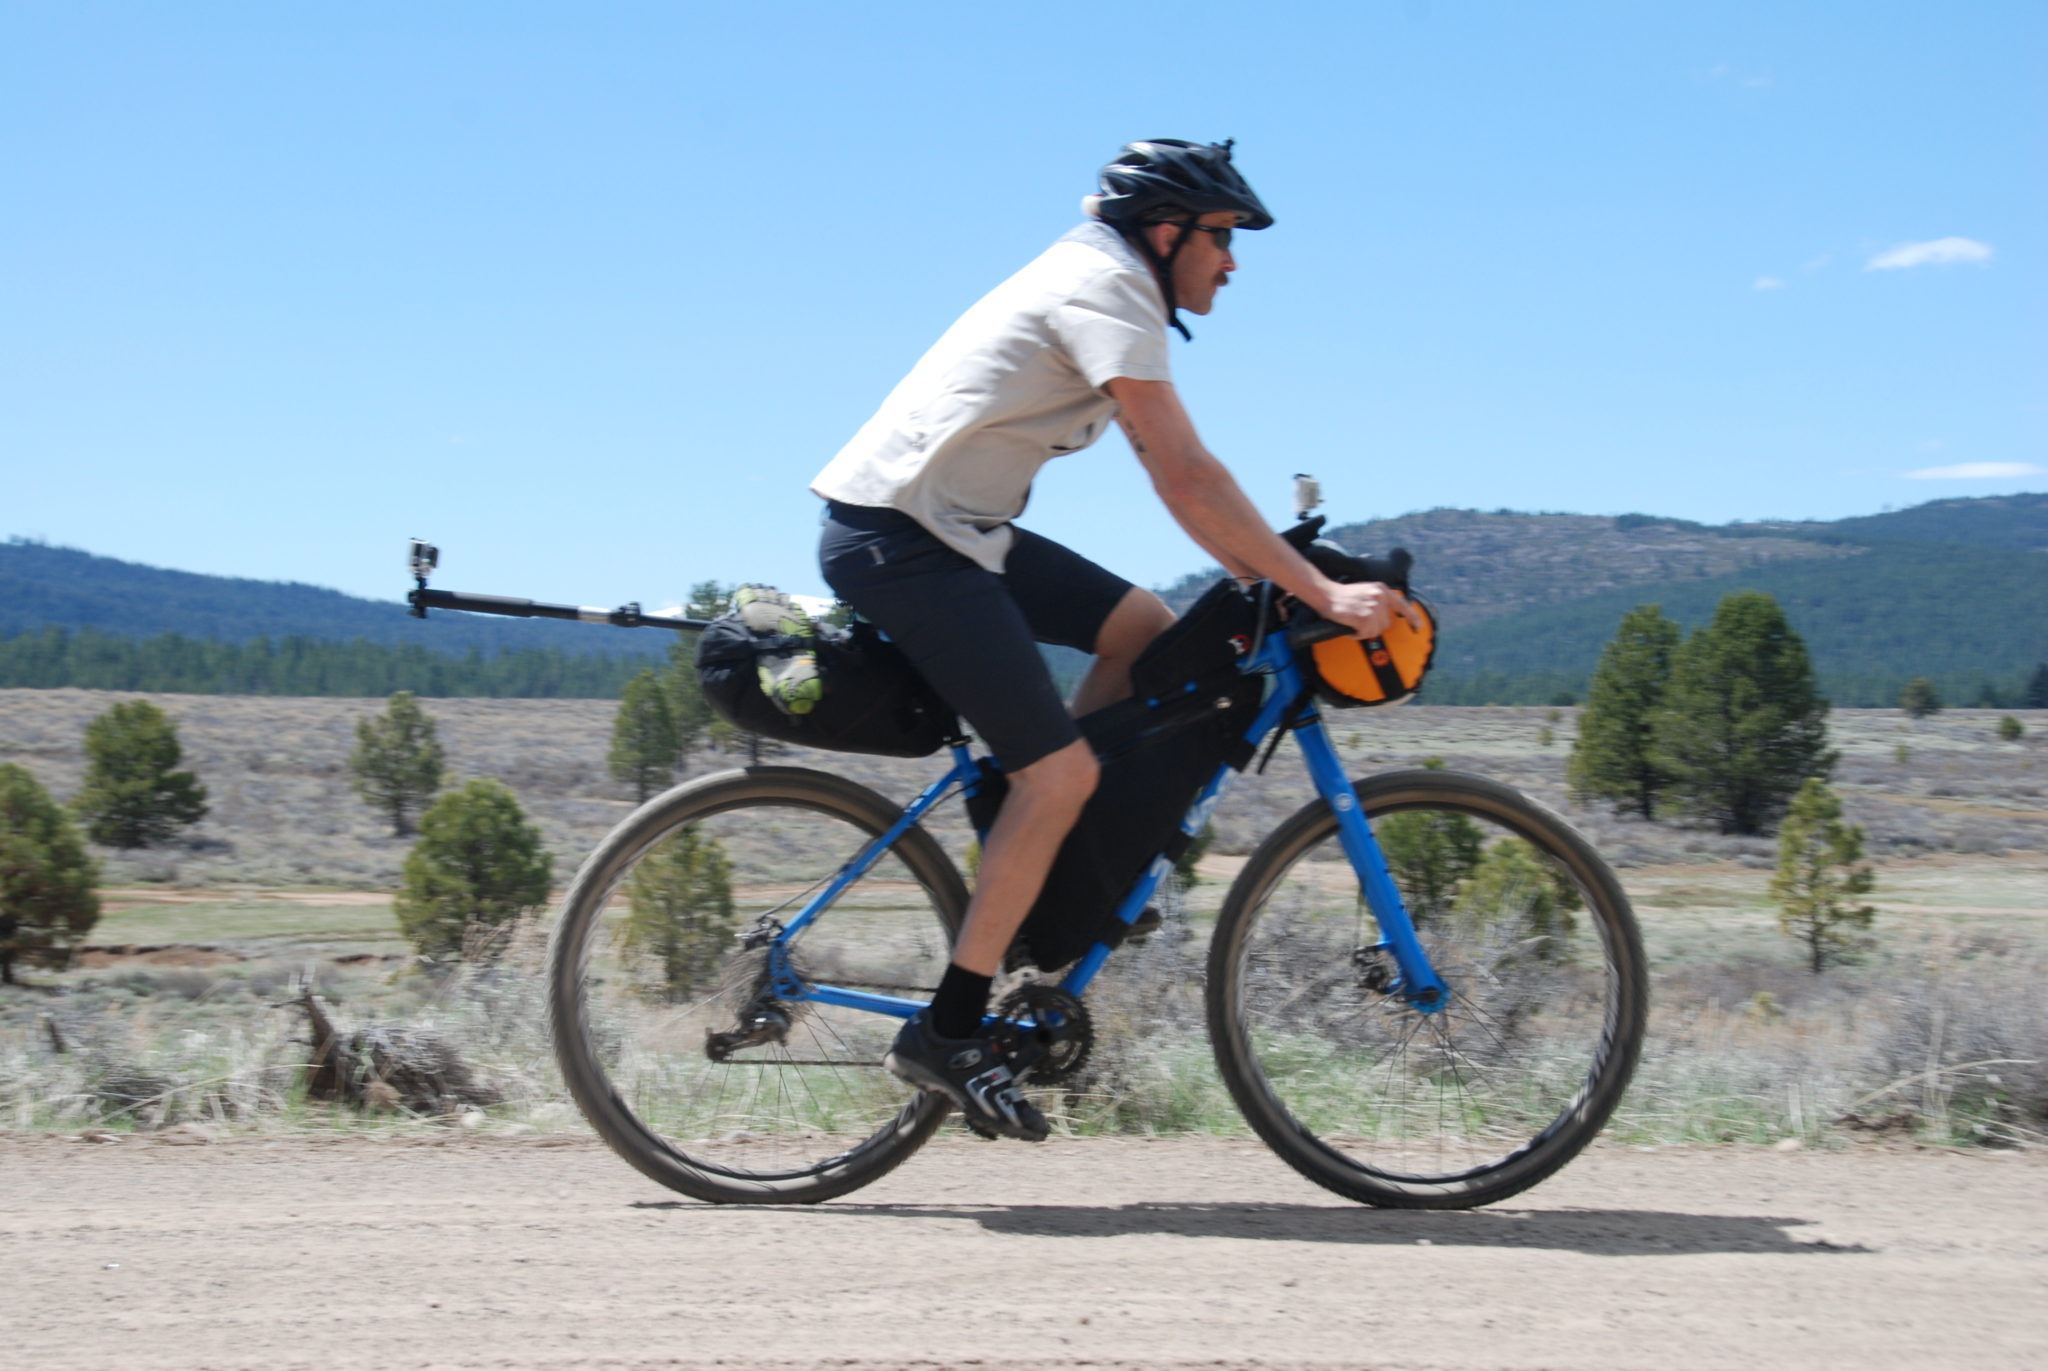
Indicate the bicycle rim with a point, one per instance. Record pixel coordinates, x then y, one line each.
1480 1099
670 1037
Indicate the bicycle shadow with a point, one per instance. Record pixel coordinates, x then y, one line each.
1590 1232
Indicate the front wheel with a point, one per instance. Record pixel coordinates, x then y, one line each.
675 1042
1470 1103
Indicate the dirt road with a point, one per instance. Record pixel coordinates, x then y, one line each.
537 1252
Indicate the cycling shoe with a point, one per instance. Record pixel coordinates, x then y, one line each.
972 1073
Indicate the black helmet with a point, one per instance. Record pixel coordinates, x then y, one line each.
1163 178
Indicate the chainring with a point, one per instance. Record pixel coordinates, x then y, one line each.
1050 1033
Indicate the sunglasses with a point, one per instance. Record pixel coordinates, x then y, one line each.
1220 233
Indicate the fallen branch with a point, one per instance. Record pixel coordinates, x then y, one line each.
380 1068
1928 1075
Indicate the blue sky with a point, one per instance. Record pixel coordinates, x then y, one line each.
587 293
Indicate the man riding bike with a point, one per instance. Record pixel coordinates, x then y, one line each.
919 539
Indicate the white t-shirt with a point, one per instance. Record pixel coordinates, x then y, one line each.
1015 382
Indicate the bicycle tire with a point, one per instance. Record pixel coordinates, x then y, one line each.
1316 1050
625 1035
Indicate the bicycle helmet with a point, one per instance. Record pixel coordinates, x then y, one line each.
1170 180
1163 179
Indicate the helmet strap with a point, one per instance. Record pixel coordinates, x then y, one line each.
1162 267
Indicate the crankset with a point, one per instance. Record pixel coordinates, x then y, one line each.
1045 1035
1048 1033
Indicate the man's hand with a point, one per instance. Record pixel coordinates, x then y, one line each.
1367 607
1205 500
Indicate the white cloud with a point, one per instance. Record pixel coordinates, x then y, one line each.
1977 471
1767 283
1934 252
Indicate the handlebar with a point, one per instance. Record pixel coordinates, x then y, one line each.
1320 631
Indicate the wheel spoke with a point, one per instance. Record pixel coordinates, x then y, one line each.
1487 1093
678 1049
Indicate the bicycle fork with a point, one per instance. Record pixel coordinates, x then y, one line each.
1416 981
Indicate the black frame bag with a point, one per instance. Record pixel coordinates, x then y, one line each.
872 701
1189 715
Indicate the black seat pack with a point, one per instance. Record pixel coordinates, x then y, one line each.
1189 715
872 699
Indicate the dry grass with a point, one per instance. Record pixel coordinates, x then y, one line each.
1940 1029
283 815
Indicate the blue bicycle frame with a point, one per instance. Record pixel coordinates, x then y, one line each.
1416 980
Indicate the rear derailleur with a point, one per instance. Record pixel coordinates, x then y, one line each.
764 1019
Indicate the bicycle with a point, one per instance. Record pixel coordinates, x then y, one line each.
1441 1024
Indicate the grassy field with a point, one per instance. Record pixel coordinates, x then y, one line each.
289 879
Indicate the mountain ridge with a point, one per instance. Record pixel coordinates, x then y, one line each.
43 585
1955 589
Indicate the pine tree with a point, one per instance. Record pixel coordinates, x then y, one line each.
1920 699
2037 688
1429 854
708 600
681 916
1820 871
644 739
1612 755
398 763
46 879
1742 724
1512 881
686 702
477 866
133 794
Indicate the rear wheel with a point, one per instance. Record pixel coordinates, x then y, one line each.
1365 1094
668 1034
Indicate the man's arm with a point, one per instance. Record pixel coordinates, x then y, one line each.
1205 499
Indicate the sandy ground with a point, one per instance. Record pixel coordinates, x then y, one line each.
542 1252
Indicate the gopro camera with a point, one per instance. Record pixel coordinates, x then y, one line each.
1308 493
423 558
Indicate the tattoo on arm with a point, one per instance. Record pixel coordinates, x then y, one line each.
1131 432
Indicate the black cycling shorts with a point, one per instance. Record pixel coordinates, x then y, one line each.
974 634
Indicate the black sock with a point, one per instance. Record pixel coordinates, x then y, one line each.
960 1003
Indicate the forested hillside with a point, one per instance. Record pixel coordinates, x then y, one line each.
1473 564
92 660
1954 590
2019 522
1967 619
43 586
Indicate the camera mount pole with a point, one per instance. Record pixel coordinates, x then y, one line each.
425 557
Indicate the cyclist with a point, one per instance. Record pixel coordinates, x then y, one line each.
919 538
